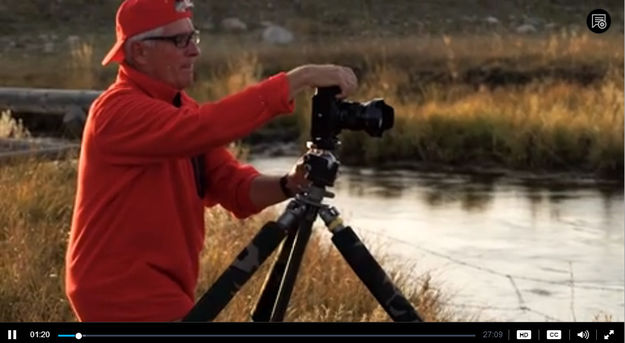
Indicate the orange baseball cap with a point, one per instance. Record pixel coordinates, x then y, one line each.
137 16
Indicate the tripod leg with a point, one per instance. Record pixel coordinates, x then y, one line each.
269 293
294 262
244 266
368 269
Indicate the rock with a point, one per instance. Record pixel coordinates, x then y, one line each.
233 25
72 40
48 47
275 34
534 21
492 20
551 26
205 25
574 29
526 29
74 120
470 19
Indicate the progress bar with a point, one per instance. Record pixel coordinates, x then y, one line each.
80 336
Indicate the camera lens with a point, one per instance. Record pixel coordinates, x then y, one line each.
374 117
331 115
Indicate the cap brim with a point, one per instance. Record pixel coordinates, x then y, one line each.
115 54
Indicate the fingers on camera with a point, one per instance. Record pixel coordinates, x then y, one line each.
351 82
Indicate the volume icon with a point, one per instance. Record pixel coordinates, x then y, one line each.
12 335
583 334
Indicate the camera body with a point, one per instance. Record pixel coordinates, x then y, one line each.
331 115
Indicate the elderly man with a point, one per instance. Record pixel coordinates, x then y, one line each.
152 159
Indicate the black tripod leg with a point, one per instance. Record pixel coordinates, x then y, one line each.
294 262
269 293
244 266
368 269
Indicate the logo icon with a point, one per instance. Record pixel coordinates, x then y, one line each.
523 334
554 334
583 334
598 21
183 5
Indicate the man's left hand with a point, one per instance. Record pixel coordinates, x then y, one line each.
296 178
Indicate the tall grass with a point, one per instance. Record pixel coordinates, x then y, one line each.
35 214
551 103
547 102
548 125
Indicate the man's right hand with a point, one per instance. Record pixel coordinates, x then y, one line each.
322 75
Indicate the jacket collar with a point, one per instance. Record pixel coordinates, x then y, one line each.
153 87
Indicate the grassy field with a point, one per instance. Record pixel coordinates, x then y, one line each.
35 216
550 103
468 94
545 105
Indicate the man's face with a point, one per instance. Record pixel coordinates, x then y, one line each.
163 60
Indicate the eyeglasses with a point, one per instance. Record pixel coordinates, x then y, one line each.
182 40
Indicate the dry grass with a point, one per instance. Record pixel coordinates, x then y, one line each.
11 128
35 212
35 215
544 102
567 116
552 102
542 125
326 288
429 52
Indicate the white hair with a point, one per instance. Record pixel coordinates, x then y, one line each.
138 37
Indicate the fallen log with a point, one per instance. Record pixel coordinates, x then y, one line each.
69 105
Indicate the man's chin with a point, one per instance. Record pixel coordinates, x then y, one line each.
185 83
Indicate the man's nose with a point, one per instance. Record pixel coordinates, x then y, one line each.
193 50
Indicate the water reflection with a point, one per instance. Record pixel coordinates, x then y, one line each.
474 230
471 192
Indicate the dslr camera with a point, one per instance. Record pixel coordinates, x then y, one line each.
331 115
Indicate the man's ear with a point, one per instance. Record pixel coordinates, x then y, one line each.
139 52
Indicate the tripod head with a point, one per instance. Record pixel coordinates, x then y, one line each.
322 167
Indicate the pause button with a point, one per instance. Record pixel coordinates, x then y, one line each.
12 335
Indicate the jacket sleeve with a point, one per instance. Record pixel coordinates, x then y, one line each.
130 128
229 183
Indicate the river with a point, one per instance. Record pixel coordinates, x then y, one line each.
503 249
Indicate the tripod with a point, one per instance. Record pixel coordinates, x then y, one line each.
295 224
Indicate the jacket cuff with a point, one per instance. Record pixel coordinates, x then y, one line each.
275 94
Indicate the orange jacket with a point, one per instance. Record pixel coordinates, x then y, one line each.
138 222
